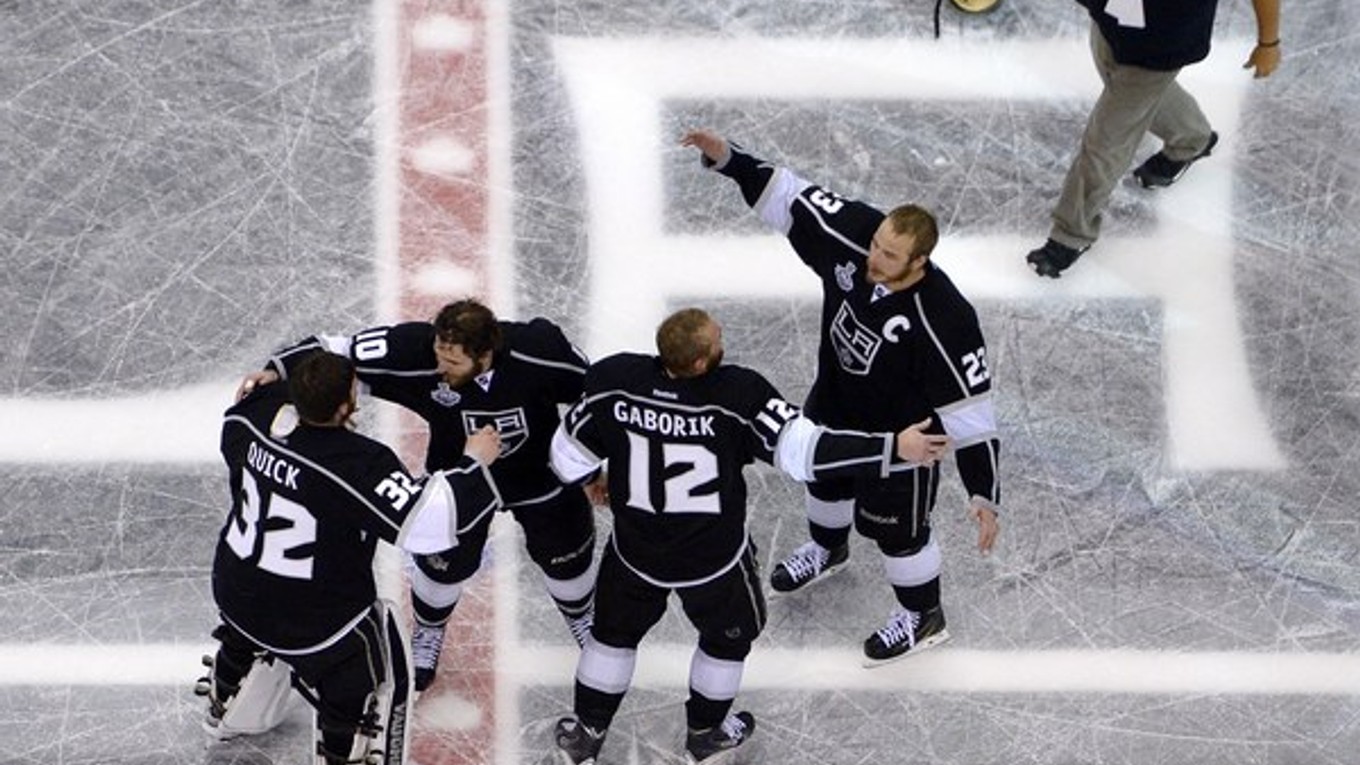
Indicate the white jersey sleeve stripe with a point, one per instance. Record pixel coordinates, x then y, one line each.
796 448
797 453
775 206
432 524
337 344
970 421
542 362
570 459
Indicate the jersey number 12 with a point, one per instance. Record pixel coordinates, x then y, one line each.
697 466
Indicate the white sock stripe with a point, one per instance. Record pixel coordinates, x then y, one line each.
914 570
606 668
715 678
837 514
432 593
575 588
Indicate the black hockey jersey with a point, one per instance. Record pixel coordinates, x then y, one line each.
534 371
293 567
885 359
676 448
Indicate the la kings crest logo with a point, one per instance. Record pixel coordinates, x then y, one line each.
511 424
855 344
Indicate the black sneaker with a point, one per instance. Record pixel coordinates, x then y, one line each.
1053 258
577 743
1160 170
906 633
809 562
427 642
706 747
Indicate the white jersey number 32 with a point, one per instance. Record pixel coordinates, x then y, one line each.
276 541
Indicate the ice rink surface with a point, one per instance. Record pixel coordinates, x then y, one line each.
188 186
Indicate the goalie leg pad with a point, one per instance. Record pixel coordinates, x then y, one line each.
362 697
262 701
246 688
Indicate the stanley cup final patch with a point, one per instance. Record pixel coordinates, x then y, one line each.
845 276
446 396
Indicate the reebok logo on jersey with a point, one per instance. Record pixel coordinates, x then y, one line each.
855 344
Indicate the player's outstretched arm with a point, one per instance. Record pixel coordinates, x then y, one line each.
714 147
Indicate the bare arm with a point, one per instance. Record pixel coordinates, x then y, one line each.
1265 57
713 146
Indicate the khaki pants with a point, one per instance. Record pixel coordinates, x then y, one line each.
1135 101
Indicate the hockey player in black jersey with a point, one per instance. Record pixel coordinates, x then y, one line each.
676 431
293 572
463 371
899 343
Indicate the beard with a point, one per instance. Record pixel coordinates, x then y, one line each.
459 380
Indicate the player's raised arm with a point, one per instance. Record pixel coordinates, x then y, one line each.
714 147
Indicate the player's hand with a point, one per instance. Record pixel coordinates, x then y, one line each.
254 380
1265 60
714 146
484 445
597 490
916 445
988 527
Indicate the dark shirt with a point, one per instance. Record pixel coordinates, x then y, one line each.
1170 35
886 360
534 371
294 561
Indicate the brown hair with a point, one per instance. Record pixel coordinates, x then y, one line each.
916 222
470 324
319 384
681 342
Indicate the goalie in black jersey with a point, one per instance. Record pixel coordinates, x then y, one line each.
676 431
462 372
899 343
293 572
